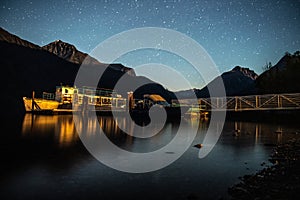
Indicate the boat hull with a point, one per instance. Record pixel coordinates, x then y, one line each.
39 104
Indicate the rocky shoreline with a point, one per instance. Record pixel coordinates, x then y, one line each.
279 181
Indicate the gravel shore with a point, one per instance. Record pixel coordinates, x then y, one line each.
279 181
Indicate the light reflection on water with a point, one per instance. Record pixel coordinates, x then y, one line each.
63 131
62 128
68 173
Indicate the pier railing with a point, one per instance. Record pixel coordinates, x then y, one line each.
252 102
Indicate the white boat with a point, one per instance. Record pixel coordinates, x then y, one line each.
65 97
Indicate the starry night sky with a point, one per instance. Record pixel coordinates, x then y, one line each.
248 33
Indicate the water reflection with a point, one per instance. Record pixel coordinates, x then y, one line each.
61 128
42 170
262 133
63 131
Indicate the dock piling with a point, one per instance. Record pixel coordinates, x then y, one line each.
32 102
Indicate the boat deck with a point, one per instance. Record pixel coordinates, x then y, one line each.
71 111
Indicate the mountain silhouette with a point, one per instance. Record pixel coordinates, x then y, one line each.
70 53
11 38
282 77
238 81
67 52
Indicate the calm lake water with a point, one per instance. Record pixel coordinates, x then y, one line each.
44 158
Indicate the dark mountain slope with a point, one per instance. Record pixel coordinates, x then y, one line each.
70 53
67 52
238 81
282 77
11 38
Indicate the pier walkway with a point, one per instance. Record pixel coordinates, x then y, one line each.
245 103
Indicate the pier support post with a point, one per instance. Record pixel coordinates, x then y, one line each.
256 101
130 101
32 101
236 104
279 101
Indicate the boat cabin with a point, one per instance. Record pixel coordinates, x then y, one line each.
92 96
64 94
155 99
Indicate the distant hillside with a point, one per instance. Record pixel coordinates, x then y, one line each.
11 38
238 81
66 51
70 53
282 77
63 50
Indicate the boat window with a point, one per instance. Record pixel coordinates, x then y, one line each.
66 91
106 101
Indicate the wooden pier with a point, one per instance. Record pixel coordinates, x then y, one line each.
265 102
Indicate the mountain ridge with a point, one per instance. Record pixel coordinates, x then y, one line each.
282 77
68 52
12 38
237 81
63 50
245 71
